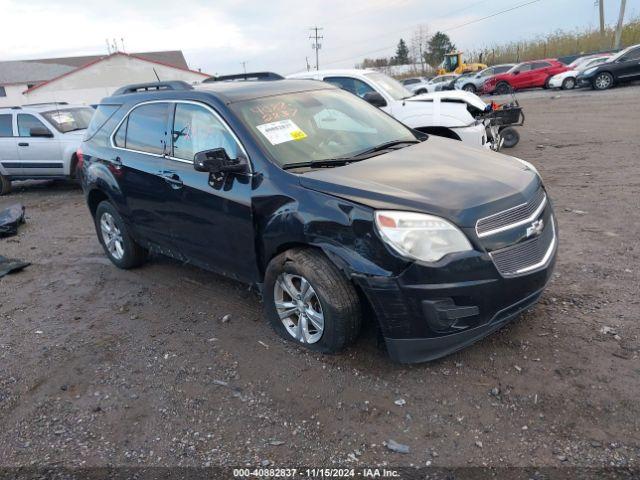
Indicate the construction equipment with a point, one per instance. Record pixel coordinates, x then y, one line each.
453 63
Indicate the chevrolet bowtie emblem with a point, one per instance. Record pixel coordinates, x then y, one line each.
536 228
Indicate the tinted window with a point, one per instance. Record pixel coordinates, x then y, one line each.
121 134
3 92
525 68
538 65
26 123
353 85
100 117
196 129
500 69
632 55
410 81
5 126
147 128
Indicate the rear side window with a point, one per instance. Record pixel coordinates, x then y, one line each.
538 65
100 117
5 126
26 123
147 128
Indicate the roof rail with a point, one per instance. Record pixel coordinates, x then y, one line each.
44 103
253 76
153 86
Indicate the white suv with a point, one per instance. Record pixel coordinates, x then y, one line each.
432 115
40 141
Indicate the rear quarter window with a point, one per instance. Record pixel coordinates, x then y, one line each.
102 114
6 130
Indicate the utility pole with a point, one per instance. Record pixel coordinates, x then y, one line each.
623 4
244 67
602 38
316 45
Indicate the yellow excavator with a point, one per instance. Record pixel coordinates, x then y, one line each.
453 63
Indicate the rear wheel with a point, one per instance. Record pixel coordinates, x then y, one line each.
602 81
5 185
114 236
569 83
503 88
469 87
308 301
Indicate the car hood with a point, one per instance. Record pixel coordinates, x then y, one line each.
455 95
438 176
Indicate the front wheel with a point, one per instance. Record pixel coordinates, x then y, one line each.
308 301
115 238
5 185
568 83
602 81
469 87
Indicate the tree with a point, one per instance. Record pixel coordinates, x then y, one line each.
419 44
402 54
437 46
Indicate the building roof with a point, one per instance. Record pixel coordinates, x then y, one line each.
107 57
174 58
18 72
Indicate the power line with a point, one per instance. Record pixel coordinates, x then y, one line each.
522 5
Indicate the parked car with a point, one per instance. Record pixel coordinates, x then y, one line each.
451 120
567 80
622 67
474 82
534 74
408 82
328 205
40 141
436 84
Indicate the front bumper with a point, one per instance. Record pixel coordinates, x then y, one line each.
582 81
429 311
555 82
474 134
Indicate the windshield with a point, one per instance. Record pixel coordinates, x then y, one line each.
69 119
393 87
318 125
593 62
621 53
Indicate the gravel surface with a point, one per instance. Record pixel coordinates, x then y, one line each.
170 365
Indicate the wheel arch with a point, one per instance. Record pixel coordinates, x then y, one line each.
94 198
440 132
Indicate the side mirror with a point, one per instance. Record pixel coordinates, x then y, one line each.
217 161
40 132
516 72
375 99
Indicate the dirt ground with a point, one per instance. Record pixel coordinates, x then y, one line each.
101 366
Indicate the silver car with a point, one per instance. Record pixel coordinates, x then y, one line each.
40 141
474 82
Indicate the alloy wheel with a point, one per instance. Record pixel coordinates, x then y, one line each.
111 236
298 307
603 81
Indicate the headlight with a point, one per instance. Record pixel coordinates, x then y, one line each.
528 165
420 236
589 71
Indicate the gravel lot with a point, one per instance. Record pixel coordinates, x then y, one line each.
108 367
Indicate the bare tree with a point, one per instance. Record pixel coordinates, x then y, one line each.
418 45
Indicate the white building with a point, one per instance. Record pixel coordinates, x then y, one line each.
92 80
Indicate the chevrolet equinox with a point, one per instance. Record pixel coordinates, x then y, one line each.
331 207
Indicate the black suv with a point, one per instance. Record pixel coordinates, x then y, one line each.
332 208
624 66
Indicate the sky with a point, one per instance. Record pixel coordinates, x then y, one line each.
217 35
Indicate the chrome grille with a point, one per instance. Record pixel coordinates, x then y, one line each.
528 256
513 217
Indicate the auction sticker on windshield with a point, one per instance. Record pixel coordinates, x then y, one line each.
281 131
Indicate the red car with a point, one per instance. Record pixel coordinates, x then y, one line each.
524 75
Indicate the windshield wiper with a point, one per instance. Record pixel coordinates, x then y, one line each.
330 162
381 147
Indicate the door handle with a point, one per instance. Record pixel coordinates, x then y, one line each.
172 179
23 144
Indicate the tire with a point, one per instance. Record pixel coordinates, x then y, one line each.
511 137
129 254
469 87
5 185
602 81
503 88
546 83
329 294
569 83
